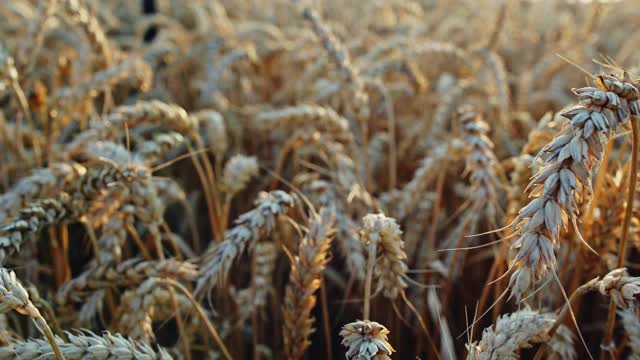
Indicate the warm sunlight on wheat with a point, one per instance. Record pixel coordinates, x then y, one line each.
319 179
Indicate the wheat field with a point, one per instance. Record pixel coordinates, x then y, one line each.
319 179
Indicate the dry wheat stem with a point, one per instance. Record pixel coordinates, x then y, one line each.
622 252
203 317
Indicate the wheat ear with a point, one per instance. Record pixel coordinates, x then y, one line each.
305 279
14 297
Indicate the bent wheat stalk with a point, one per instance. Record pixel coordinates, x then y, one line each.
13 296
622 254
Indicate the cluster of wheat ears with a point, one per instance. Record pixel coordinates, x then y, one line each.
281 179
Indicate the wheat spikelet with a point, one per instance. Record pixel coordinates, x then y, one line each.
238 171
453 58
32 219
249 228
350 246
39 184
131 272
113 235
340 56
366 340
109 150
214 131
622 288
146 206
161 145
415 228
446 341
567 172
83 345
169 190
305 279
631 325
149 112
499 83
91 27
140 306
135 72
561 345
481 163
103 173
462 92
390 269
14 297
91 308
377 156
512 332
212 49
299 116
